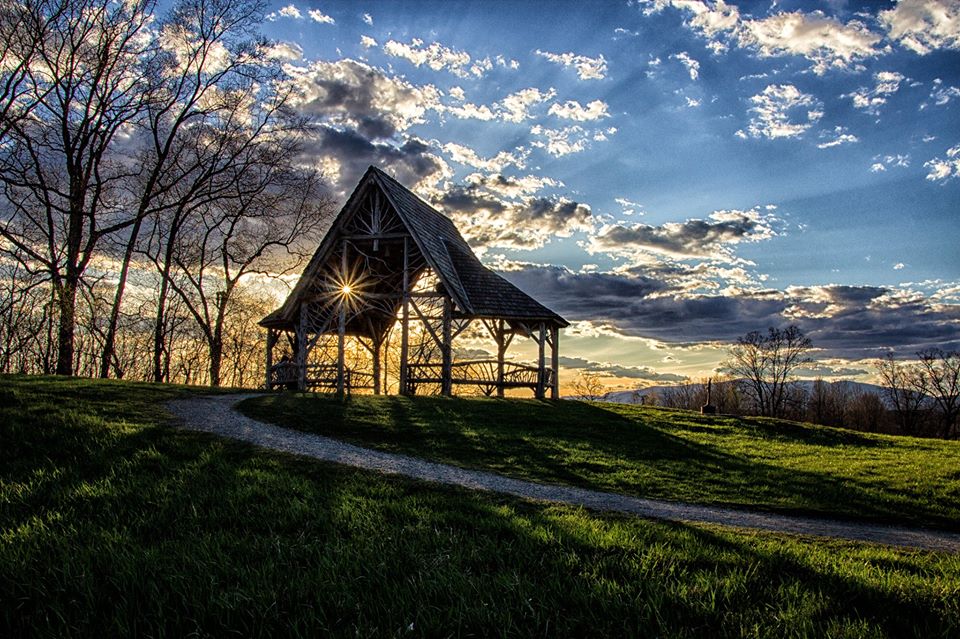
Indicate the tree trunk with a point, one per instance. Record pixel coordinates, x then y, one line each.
109 343
66 305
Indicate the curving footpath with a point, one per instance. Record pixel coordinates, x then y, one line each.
217 415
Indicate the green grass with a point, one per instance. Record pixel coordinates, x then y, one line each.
113 523
680 455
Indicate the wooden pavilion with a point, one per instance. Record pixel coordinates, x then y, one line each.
390 257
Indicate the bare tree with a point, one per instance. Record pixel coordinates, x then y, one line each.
765 364
904 387
58 172
588 385
941 372
208 56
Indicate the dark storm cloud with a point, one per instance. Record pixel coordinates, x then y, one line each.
488 220
688 239
409 162
631 372
845 321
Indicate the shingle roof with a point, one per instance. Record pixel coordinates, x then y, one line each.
477 290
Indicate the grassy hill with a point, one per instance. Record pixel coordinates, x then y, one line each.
113 522
653 452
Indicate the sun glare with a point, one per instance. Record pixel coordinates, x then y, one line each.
347 289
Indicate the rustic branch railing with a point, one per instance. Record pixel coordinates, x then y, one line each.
481 373
319 376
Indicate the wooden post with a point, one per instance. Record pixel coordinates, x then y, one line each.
302 348
555 363
446 351
377 344
501 352
405 318
342 325
541 363
271 341
341 338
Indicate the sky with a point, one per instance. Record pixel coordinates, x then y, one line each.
666 174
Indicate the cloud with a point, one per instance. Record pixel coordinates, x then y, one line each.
289 11
286 51
836 137
870 100
775 109
825 41
615 370
488 219
355 95
441 58
924 25
516 106
368 19
573 110
881 162
693 67
345 154
587 68
566 140
940 94
851 322
465 155
320 17
367 42
943 169
691 239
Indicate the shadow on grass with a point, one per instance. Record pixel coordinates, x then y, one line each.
647 453
152 531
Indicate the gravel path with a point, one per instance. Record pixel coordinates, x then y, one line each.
217 415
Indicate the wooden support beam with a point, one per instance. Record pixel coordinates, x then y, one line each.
272 337
446 350
376 367
301 342
405 318
541 363
501 354
342 326
555 363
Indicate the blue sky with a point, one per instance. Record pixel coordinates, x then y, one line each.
667 174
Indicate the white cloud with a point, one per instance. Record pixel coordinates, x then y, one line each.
368 19
319 16
836 137
941 94
899 266
290 11
587 68
438 57
692 102
870 100
943 169
775 110
693 67
516 106
367 42
288 51
924 25
465 155
561 142
881 162
573 110
823 40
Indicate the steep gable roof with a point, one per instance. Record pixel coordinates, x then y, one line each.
476 290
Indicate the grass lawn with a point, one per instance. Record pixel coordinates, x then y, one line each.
652 452
112 522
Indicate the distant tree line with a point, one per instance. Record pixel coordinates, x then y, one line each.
921 397
151 168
